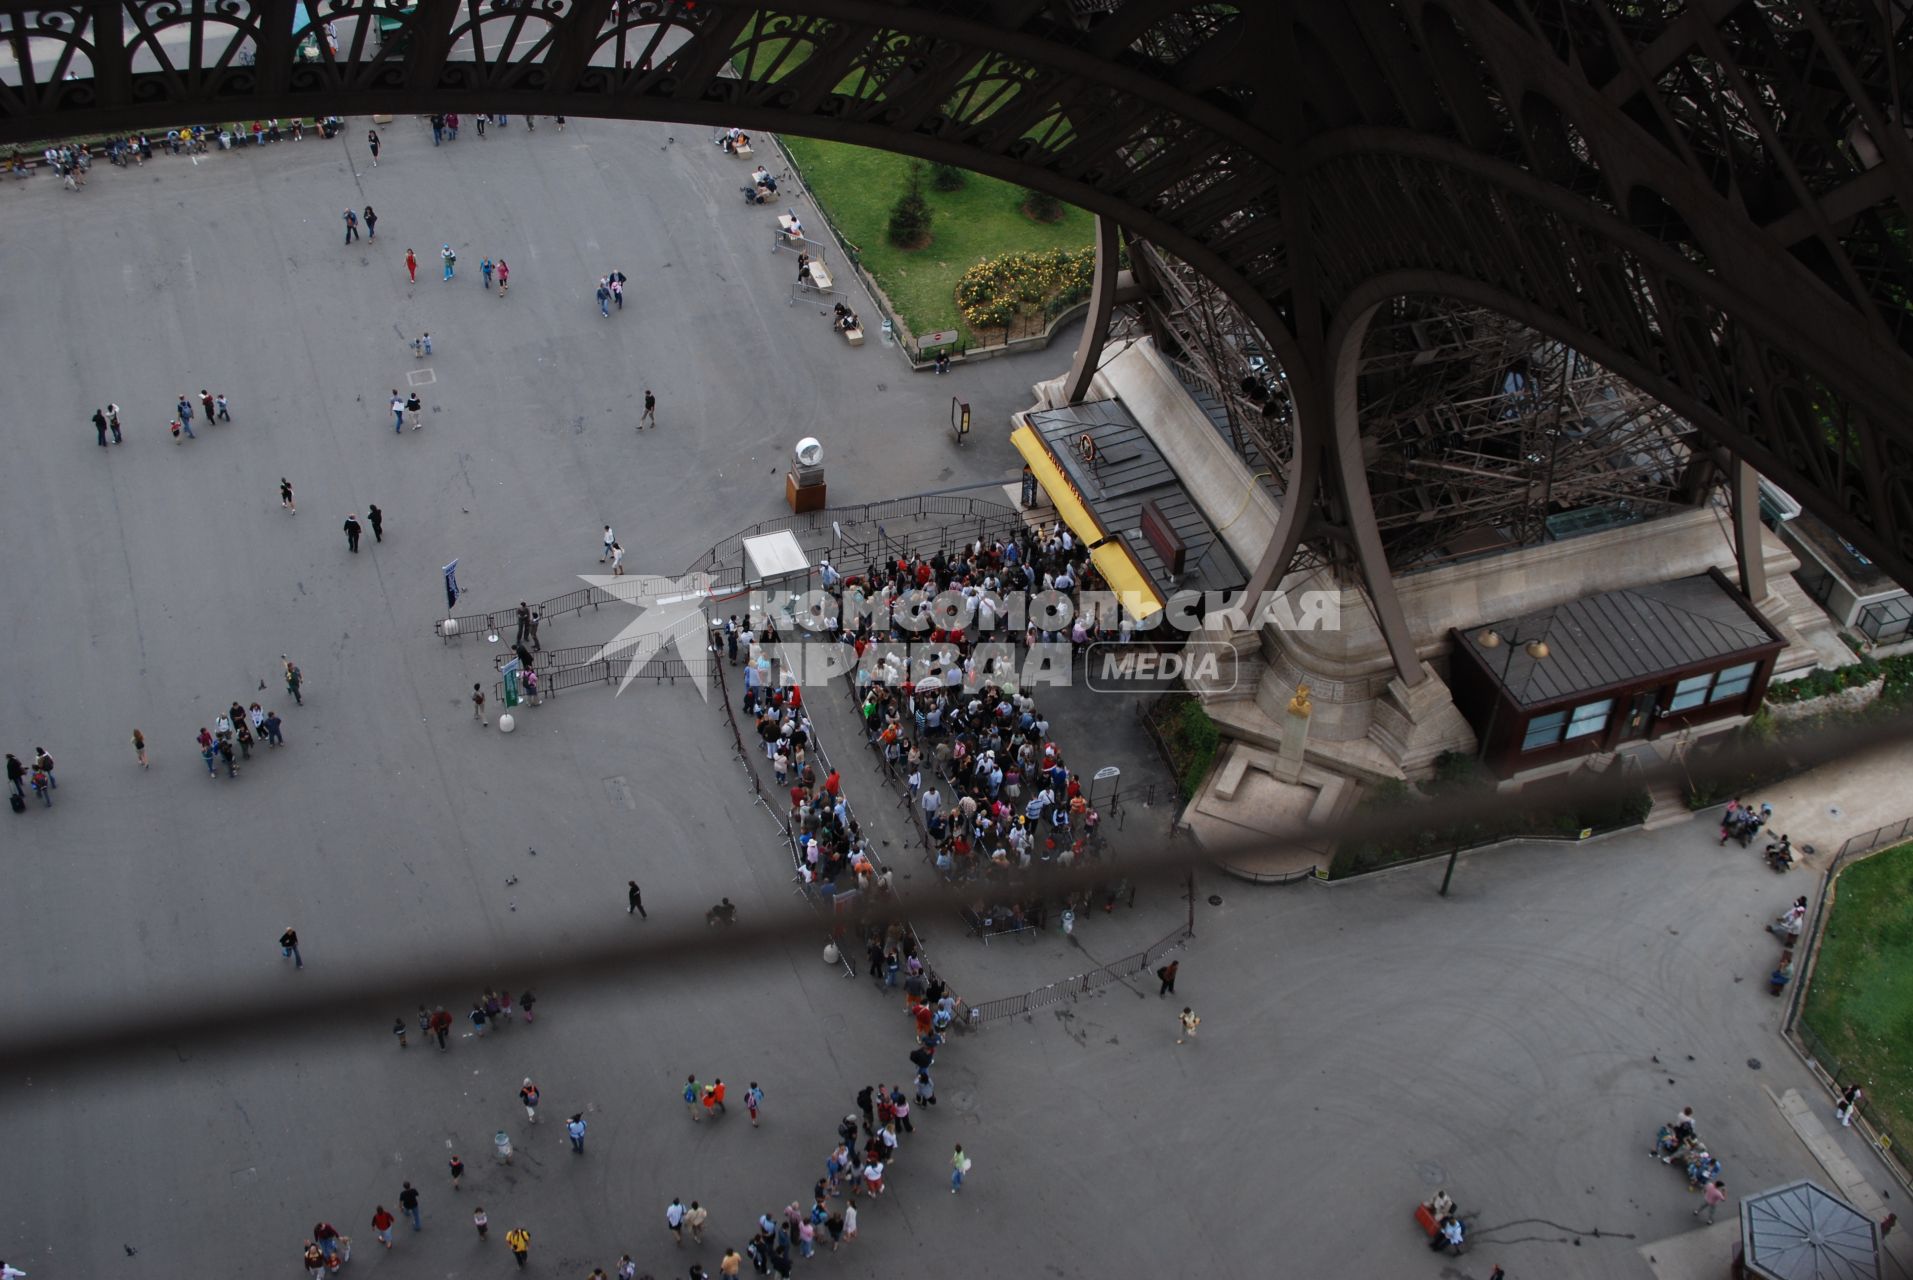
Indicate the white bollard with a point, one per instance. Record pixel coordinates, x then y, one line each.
506 724
449 627
831 955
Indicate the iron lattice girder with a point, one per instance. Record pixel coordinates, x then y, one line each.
1708 197
1453 471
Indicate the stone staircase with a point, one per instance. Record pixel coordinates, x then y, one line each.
1670 805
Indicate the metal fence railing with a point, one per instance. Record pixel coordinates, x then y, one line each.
657 669
1820 1056
849 534
1082 984
1878 838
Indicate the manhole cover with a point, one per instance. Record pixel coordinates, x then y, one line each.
1807 849
1215 899
1754 1063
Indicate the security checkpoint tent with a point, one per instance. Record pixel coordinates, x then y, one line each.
1801 1231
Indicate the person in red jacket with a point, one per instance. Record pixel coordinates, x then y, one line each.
441 1026
382 1221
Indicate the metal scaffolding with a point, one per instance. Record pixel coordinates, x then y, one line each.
1482 435
1479 434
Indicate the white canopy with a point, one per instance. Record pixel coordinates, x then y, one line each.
774 555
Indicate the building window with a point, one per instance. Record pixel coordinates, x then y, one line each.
1544 731
1691 692
1565 726
1733 682
1589 718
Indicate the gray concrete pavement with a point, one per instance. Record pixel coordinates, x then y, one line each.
1359 1043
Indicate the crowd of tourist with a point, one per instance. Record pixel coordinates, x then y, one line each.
991 790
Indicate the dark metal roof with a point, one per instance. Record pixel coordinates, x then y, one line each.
1803 1232
1621 636
1129 470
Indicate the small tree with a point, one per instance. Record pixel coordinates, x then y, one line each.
947 177
910 216
1042 206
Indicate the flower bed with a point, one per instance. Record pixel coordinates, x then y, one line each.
998 291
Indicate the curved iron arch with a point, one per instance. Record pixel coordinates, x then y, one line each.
1779 300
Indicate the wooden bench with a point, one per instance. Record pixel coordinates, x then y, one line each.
855 337
819 277
743 151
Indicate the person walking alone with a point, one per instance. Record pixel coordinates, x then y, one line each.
1189 1022
528 1094
377 517
635 900
411 265
959 1165
1710 1203
372 141
518 1240
289 947
457 1168
408 1202
480 1221
1168 976
371 224
352 528
575 1130
139 747
449 258
285 496
478 704
650 411
351 226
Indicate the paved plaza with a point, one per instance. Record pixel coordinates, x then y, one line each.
1517 1041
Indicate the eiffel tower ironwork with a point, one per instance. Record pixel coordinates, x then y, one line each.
1708 197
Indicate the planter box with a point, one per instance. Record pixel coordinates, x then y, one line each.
1844 700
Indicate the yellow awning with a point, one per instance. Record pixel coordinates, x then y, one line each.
1056 485
1126 578
1112 559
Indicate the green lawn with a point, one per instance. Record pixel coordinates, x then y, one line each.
857 186
1861 1002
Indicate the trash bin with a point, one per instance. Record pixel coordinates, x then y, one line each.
501 1141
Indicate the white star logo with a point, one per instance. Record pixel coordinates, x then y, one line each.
672 615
